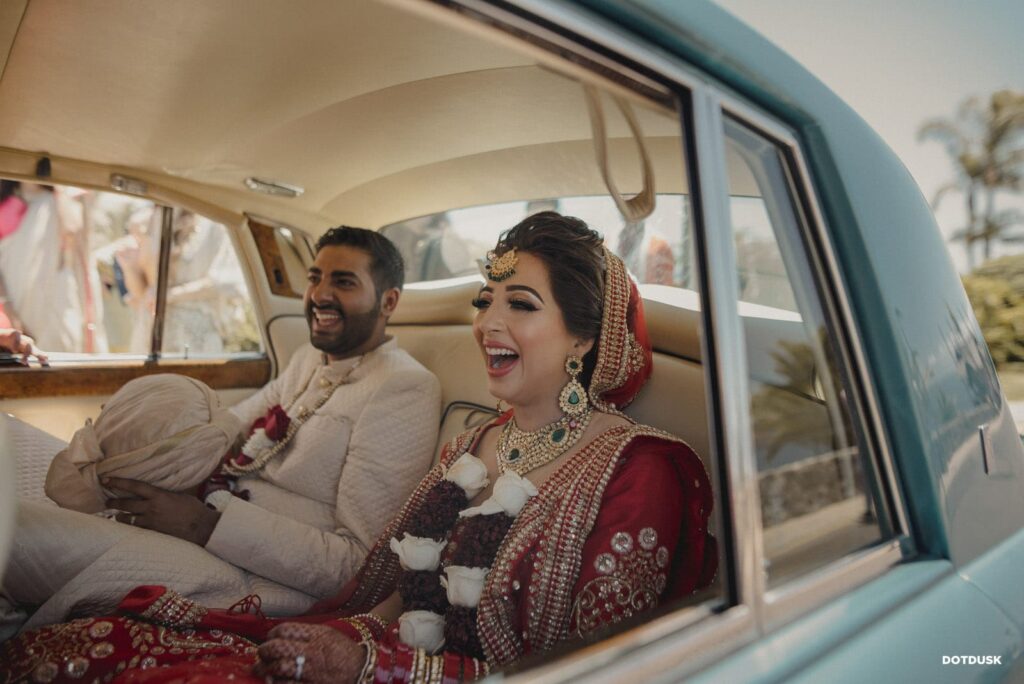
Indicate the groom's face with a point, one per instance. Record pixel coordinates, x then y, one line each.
342 306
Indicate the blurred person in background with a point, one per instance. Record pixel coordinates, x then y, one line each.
12 210
47 272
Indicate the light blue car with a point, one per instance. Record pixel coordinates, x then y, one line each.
813 342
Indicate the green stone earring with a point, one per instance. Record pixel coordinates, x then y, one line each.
573 399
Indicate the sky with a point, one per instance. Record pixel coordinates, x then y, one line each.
900 63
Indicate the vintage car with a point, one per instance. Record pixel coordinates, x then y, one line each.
812 340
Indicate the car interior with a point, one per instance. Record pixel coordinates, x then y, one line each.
435 123
385 128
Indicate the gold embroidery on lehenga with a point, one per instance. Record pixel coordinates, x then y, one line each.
556 523
73 647
633 585
636 355
613 364
174 610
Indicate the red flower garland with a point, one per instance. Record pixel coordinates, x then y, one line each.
275 423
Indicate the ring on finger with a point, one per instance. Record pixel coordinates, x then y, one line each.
300 662
131 518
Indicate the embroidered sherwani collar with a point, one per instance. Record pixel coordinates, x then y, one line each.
335 371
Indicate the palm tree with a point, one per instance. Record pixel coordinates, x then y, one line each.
986 143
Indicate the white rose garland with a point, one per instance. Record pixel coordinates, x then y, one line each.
418 553
511 492
470 473
257 443
464 585
421 629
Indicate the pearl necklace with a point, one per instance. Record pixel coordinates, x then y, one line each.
522 451
303 414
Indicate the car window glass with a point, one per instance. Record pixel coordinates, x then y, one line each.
208 310
77 267
297 254
657 250
816 502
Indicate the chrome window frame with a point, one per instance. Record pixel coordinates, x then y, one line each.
826 270
798 595
673 645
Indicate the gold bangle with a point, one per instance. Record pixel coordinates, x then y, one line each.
436 669
364 632
415 665
421 664
367 673
377 620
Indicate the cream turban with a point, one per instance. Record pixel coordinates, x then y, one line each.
166 430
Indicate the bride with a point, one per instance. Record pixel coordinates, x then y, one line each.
558 517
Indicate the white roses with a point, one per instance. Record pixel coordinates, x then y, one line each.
470 473
421 629
464 585
511 492
257 443
418 553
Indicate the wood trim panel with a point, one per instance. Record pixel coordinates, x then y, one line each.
273 262
19 382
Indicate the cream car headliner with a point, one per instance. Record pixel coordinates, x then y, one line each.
379 113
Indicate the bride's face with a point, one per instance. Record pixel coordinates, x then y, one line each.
523 337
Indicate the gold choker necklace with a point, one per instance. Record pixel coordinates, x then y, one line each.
521 451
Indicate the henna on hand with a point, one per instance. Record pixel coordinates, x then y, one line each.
329 656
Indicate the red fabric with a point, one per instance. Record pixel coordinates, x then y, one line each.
395 662
275 423
233 668
663 487
12 210
657 485
93 648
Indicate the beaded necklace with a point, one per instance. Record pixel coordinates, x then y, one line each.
301 416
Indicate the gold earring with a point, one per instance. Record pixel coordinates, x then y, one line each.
573 398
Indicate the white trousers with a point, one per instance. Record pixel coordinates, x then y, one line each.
72 564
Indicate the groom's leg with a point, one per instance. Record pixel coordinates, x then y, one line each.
52 545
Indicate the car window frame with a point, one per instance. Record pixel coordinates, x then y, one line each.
667 643
104 373
264 232
693 636
798 595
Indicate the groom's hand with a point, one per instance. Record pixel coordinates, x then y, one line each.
179 515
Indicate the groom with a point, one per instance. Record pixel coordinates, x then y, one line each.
294 521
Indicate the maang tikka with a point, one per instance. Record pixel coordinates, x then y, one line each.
573 399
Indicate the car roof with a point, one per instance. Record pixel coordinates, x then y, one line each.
355 102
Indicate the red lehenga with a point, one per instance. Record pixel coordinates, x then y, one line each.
617 529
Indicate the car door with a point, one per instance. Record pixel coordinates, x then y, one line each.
852 580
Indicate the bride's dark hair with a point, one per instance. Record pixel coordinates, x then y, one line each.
574 257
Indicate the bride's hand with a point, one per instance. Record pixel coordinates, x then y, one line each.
309 653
